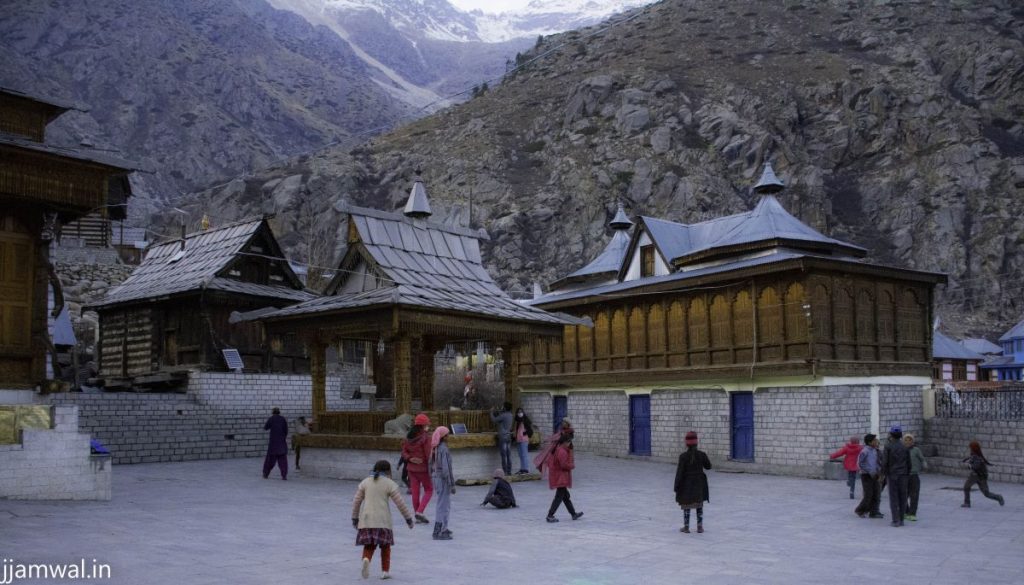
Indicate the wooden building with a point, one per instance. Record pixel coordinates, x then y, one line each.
407 287
952 362
42 188
175 312
752 303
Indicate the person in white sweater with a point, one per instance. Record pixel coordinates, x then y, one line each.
371 515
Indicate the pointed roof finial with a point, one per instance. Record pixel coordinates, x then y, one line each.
418 206
621 221
769 183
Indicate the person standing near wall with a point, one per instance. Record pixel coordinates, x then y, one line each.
917 465
691 484
503 419
302 428
896 469
849 453
444 479
979 475
277 447
522 430
867 465
371 516
416 453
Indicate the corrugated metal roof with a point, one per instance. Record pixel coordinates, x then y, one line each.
946 348
979 345
168 270
1016 332
430 265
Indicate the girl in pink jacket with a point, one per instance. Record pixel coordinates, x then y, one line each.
560 463
849 453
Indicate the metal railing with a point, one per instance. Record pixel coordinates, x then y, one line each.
993 402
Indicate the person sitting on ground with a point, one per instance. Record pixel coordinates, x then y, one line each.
500 496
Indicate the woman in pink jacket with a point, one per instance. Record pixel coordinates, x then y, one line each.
849 453
560 463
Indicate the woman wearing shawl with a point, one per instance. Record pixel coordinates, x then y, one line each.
444 482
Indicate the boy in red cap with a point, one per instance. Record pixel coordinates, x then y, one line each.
691 482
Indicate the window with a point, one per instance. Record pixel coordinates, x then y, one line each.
646 261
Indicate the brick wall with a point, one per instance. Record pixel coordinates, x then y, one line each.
1002 441
601 421
675 412
54 464
538 406
356 464
221 415
900 405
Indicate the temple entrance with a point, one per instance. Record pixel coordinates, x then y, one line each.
17 250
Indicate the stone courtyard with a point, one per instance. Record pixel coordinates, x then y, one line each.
220 522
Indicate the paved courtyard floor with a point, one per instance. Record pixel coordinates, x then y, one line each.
220 522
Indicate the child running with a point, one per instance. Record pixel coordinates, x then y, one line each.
979 475
371 515
849 453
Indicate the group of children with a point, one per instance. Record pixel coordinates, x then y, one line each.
428 463
899 467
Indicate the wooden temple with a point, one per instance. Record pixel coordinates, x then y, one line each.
408 286
756 293
174 312
42 188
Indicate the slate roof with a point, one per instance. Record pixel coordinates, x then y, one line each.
607 262
979 345
429 265
1016 332
946 348
768 221
167 271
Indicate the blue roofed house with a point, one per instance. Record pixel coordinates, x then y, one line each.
771 340
952 361
1010 365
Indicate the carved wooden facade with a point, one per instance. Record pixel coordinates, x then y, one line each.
833 323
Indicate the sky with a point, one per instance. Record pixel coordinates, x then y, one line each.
490 5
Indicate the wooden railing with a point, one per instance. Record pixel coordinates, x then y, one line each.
372 423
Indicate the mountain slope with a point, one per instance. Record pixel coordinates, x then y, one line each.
896 127
196 90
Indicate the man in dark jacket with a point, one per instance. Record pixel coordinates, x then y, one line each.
896 468
277 449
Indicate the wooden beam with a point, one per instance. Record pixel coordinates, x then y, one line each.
318 374
512 376
402 374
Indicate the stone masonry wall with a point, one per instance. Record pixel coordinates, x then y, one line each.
900 405
538 406
790 426
601 420
849 409
1002 441
675 412
54 464
221 416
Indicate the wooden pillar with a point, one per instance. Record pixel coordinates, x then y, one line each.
402 374
318 373
512 376
425 383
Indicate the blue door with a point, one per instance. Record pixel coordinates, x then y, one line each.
640 425
559 410
742 411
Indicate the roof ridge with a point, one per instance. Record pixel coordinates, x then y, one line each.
189 236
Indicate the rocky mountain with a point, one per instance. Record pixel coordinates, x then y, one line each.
896 126
194 90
